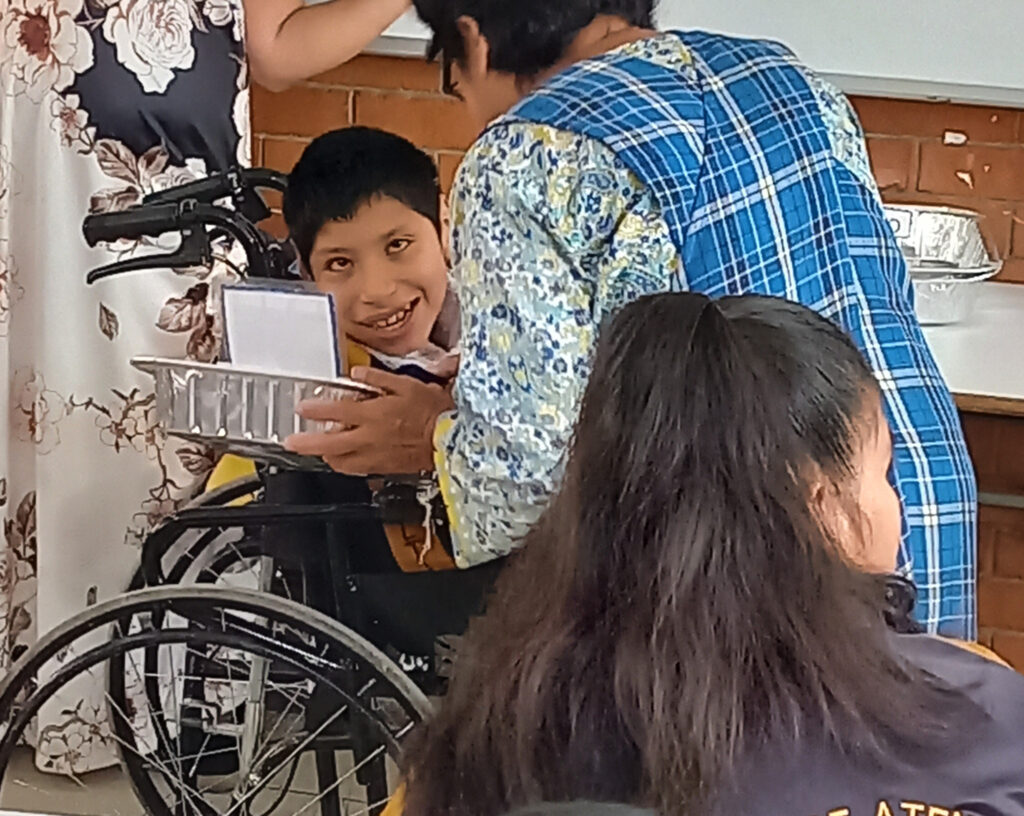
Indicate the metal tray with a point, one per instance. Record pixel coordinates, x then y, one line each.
941 238
940 301
248 412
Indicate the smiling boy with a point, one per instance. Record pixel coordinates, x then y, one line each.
363 209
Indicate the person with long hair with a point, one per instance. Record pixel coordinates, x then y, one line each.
698 622
616 161
103 102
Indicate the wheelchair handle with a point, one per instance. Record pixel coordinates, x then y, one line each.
137 222
156 219
222 185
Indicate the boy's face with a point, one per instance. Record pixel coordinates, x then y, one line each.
387 273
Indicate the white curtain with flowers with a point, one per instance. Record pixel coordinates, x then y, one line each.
99 102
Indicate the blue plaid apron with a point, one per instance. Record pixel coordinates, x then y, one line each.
739 156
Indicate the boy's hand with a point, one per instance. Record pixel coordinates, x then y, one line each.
390 434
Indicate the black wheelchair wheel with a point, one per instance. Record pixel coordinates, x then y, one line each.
259 706
176 553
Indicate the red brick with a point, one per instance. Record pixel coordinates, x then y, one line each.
432 123
1018 232
281 154
389 73
1001 542
895 117
1008 559
985 172
1010 647
995 443
274 199
987 536
893 163
447 165
1013 271
257 149
997 225
985 636
1001 604
299 111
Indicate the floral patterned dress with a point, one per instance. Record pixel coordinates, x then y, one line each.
101 102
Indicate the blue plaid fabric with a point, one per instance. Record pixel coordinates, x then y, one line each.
737 152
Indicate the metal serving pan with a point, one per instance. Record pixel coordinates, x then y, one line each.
248 412
948 257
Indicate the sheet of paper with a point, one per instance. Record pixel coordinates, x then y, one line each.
291 332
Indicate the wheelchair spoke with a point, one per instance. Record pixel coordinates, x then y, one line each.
341 780
158 722
284 763
153 759
370 807
229 702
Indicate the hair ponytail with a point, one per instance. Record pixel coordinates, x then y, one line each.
679 605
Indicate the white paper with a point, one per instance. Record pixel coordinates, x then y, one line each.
282 332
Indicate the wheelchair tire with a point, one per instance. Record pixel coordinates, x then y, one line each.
161 564
286 641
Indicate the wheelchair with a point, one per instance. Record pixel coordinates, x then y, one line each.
261 661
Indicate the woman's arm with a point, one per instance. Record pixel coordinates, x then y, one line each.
288 41
549 234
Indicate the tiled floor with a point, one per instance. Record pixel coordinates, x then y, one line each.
104 793
108 793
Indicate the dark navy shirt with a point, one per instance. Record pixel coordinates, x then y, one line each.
979 773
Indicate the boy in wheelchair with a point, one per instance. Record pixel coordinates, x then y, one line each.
363 207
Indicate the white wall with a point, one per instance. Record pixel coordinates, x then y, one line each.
966 50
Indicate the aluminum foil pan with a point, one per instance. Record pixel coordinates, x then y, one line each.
941 300
248 412
941 239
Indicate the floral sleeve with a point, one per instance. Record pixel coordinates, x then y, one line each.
549 234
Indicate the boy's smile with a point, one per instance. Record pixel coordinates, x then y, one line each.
386 270
391 321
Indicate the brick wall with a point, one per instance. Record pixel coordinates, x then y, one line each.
961 155
996 444
400 95
921 152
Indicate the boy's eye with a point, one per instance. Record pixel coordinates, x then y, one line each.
397 245
338 265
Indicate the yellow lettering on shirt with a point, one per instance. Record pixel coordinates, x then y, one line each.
883 809
937 811
914 808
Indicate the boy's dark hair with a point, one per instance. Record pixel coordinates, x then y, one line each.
525 36
342 170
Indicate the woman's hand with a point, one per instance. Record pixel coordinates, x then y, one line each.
390 434
287 41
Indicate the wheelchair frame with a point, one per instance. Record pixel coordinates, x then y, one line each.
330 614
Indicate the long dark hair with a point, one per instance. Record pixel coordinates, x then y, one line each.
680 604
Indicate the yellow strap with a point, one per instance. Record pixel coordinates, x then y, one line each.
396 804
357 356
228 469
444 479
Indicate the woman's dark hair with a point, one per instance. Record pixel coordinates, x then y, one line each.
525 37
580 809
680 604
342 170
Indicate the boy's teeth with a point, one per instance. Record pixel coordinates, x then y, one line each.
394 320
